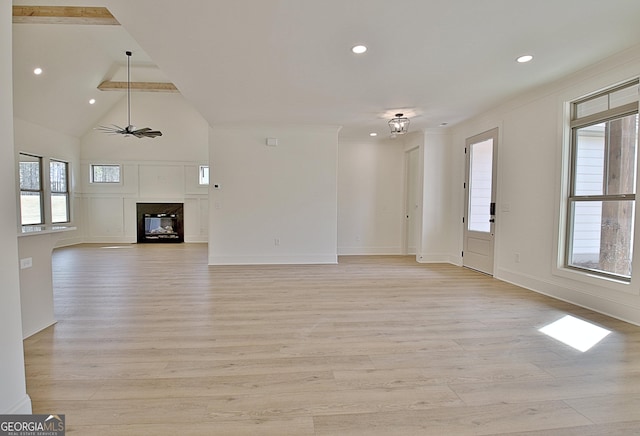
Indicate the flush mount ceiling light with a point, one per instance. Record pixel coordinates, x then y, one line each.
37 71
524 59
359 49
399 125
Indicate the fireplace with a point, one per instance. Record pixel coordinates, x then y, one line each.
160 222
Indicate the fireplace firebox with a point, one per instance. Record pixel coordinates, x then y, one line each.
160 222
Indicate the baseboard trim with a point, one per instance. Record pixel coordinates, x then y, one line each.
434 258
22 407
273 260
559 291
38 329
369 251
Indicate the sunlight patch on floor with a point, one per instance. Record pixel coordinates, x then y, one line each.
576 333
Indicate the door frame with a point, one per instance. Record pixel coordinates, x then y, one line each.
408 232
474 261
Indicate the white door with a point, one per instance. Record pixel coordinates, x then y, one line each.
412 200
479 219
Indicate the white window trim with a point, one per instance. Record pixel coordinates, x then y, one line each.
43 188
591 283
46 190
91 181
67 192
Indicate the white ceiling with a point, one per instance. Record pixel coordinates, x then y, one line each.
290 60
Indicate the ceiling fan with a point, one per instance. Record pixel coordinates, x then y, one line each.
145 132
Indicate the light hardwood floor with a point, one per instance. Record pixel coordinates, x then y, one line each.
152 341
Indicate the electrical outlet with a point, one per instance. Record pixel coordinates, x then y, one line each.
276 242
516 257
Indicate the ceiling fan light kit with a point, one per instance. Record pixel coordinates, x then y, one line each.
145 132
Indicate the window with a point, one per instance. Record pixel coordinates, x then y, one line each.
59 176
480 184
30 189
104 174
41 202
601 203
204 175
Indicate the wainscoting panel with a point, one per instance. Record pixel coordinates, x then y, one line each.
105 218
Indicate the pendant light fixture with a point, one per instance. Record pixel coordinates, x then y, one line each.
399 125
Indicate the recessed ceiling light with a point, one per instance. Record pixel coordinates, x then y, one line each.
359 49
92 101
37 71
443 124
524 59
373 134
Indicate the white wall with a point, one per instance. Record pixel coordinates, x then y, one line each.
437 223
275 204
13 394
36 282
529 184
162 169
184 131
371 190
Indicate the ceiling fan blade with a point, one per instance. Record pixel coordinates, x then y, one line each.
152 133
110 129
145 132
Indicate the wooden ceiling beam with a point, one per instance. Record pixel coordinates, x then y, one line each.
138 86
63 15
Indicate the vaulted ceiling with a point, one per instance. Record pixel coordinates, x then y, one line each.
290 61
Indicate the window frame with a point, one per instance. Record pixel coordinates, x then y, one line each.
40 190
64 193
92 179
574 125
